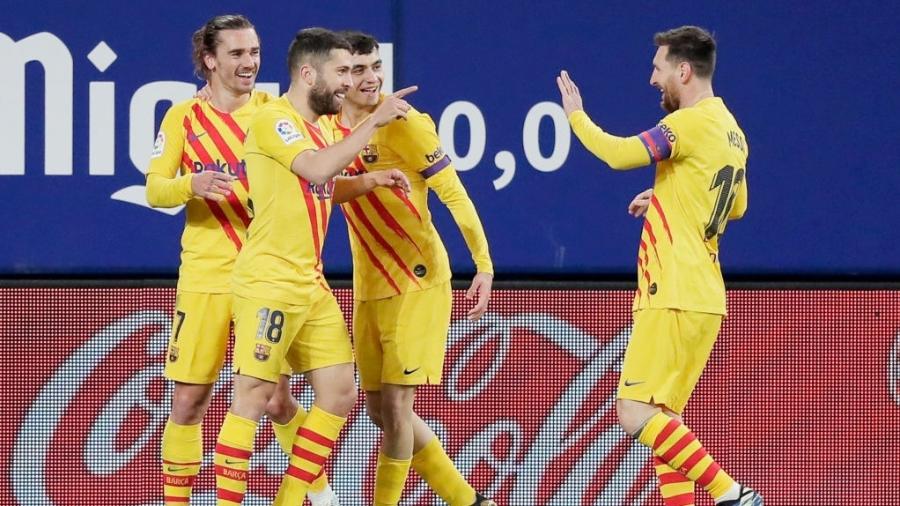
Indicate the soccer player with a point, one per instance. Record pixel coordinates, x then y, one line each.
401 282
286 318
701 159
198 160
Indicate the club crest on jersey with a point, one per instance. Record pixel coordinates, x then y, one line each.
370 153
159 145
173 353
287 131
261 352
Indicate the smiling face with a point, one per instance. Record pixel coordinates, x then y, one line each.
666 78
235 63
368 78
332 82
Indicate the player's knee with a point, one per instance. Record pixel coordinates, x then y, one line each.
632 415
189 405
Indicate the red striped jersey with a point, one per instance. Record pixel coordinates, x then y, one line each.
701 156
282 257
195 137
395 246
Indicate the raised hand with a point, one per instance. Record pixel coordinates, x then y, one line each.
211 185
640 203
393 107
571 97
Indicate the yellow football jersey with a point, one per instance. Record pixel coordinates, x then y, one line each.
282 257
395 246
195 137
700 183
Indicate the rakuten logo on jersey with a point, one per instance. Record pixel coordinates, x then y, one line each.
60 91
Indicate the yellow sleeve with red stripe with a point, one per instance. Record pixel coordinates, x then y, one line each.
617 152
450 190
165 187
279 137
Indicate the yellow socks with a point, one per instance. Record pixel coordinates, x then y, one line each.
312 446
435 467
390 477
675 489
182 451
677 446
285 435
232 459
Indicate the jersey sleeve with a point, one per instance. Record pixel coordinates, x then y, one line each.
740 200
669 138
417 142
450 190
617 152
165 187
279 137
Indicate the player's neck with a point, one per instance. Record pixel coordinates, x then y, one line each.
691 96
226 101
300 101
352 115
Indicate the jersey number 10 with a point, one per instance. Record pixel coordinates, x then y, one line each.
727 181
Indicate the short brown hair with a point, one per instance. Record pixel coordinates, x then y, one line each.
314 45
690 44
206 38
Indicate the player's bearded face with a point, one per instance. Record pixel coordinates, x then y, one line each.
664 79
325 99
670 100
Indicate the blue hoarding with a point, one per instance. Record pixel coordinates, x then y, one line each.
811 84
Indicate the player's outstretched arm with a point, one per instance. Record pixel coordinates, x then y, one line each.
348 188
319 166
618 152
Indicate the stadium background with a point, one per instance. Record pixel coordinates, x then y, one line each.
801 397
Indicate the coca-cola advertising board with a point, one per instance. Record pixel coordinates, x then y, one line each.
801 400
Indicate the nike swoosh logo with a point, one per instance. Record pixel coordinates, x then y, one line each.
227 461
407 371
633 383
176 469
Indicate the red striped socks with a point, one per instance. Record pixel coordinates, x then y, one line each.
677 446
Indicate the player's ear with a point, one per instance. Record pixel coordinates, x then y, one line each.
308 74
209 60
685 71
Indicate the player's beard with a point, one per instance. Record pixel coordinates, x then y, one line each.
670 102
322 100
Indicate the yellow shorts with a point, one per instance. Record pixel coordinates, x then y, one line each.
666 355
274 338
401 340
200 332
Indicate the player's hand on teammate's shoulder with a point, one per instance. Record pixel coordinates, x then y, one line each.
393 107
204 93
640 203
571 97
389 178
211 185
480 291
